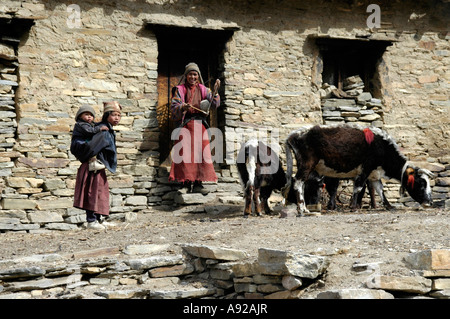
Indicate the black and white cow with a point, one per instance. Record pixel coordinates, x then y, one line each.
261 172
352 152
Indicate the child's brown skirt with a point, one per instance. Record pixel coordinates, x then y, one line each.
91 190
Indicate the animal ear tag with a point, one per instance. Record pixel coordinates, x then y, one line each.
411 181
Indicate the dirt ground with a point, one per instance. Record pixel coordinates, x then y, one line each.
364 236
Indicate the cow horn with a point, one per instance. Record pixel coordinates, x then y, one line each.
426 172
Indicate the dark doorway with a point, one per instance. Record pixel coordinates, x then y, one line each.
11 30
176 48
13 33
343 58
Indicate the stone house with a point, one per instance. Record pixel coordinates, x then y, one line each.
277 60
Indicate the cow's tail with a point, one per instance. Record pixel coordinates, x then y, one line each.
289 168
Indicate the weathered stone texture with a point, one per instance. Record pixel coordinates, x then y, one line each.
276 262
431 259
214 252
272 83
158 274
417 285
355 294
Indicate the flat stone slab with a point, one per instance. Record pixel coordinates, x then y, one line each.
279 262
441 294
123 294
105 251
33 271
430 259
154 261
182 293
355 294
210 252
193 198
44 283
412 284
145 249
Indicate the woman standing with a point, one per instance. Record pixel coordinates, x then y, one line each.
192 163
91 187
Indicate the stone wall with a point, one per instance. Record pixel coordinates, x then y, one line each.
150 272
271 81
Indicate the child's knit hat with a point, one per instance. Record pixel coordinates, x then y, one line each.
85 108
112 106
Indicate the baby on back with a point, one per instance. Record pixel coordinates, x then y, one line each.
85 129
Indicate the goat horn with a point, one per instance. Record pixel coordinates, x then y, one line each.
425 171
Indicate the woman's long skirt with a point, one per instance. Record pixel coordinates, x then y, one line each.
91 190
191 155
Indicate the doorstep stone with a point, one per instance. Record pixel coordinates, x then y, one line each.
193 198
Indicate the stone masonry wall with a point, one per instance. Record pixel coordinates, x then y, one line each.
271 79
198 271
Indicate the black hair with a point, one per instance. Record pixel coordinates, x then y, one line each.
105 116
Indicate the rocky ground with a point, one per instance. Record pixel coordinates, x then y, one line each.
365 236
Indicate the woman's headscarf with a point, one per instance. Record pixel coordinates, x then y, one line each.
191 67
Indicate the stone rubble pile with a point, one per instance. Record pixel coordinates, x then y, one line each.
350 105
431 276
274 275
152 271
8 87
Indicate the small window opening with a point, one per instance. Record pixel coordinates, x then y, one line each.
351 89
11 33
344 58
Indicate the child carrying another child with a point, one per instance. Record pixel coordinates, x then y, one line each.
85 129
91 185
